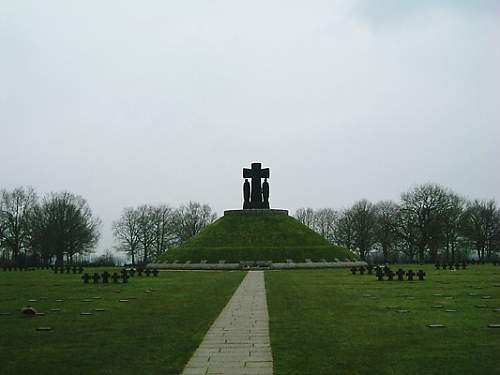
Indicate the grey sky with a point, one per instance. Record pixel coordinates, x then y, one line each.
129 102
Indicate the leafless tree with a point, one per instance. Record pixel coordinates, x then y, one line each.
482 226
165 229
126 232
15 209
63 225
306 216
386 213
190 219
425 205
363 224
324 223
343 230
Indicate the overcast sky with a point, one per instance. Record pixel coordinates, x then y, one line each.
129 102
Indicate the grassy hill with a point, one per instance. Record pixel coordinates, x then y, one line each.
249 237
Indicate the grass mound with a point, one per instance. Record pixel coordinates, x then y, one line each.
252 237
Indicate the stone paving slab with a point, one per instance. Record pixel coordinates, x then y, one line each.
238 342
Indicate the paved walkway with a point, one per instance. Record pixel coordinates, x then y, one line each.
238 341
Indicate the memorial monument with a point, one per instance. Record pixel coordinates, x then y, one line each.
256 196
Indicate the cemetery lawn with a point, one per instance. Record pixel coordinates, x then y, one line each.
155 332
331 322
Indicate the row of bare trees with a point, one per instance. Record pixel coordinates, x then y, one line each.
430 223
41 231
147 231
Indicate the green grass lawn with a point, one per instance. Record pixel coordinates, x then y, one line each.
250 237
154 333
331 322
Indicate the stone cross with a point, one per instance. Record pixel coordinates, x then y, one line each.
410 275
105 277
380 275
421 275
115 277
401 274
86 278
256 196
96 278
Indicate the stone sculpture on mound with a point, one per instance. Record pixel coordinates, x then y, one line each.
255 195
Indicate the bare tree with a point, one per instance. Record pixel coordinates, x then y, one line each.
425 206
482 226
452 224
363 224
190 219
63 225
343 230
324 223
386 213
164 227
15 209
146 231
126 232
306 216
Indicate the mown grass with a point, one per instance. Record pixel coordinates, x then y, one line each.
273 237
154 333
331 322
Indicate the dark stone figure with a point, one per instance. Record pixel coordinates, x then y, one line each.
246 195
265 194
259 195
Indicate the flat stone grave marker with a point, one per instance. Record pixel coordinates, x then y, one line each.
494 325
97 297
448 297
44 329
32 300
40 313
55 309
85 313
86 300
450 310
5 313
402 311
59 300
123 300
486 297
99 310
435 325
496 310
437 306
472 294
437 295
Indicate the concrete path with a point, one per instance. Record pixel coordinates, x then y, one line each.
238 341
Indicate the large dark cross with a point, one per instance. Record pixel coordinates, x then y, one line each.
259 195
